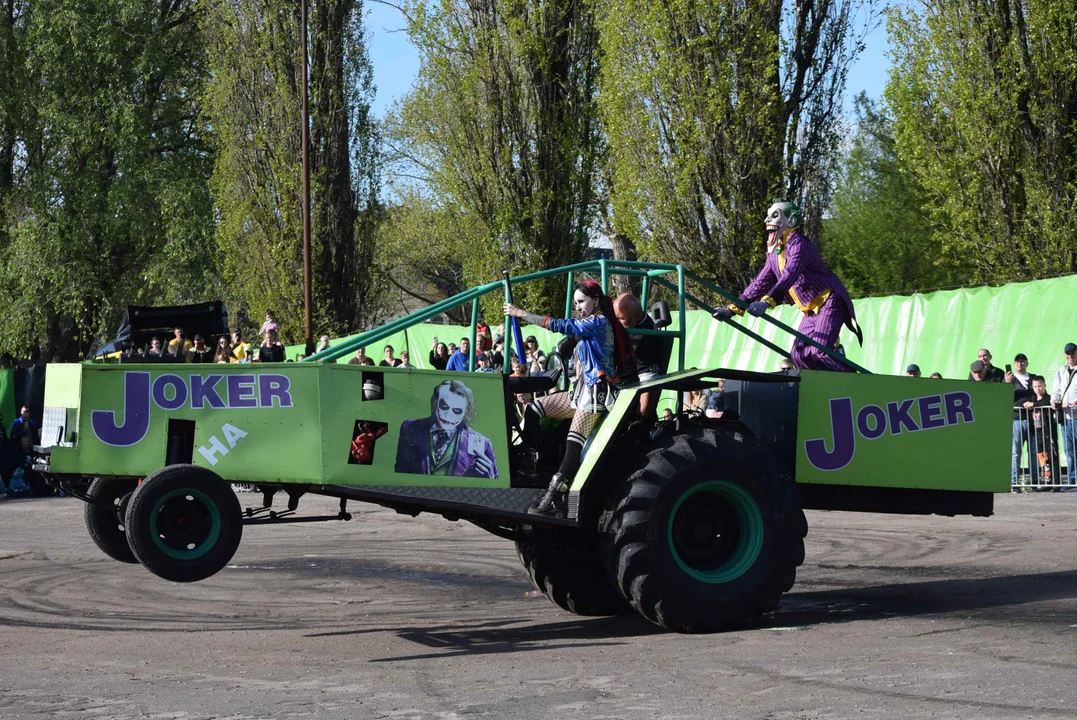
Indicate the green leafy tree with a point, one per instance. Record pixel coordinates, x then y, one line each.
500 131
985 114
253 102
879 238
13 85
420 247
715 109
103 169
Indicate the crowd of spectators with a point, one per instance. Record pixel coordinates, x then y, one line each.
230 348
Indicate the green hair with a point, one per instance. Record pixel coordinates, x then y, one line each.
793 212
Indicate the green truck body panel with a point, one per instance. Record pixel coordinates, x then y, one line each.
280 423
902 432
296 423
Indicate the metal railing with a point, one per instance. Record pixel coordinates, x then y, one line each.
655 273
1042 455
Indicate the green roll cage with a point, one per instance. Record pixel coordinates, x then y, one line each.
648 271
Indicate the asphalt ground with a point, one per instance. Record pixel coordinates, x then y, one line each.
392 617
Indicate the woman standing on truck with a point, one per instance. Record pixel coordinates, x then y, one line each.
600 360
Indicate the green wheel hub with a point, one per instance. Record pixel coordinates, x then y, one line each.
185 524
715 532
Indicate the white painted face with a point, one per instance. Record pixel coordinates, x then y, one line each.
780 217
452 409
585 306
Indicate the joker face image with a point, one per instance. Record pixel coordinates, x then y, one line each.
445 443
451 409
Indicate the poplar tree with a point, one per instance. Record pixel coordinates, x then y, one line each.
716 109
880 238
985 114
253 103
500 132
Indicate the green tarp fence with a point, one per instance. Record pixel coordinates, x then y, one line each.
940 332
7 396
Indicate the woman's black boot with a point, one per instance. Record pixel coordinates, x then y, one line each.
553 502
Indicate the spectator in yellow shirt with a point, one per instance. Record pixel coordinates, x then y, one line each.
239 348
181 344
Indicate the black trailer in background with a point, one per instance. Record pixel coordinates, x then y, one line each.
142 324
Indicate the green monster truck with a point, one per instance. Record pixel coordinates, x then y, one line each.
696 523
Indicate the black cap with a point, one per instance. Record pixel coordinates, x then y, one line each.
1070 347
912 368
1020 357
977 366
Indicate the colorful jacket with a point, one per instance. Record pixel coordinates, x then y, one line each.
797 275
595 348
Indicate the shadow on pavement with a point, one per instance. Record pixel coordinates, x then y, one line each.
508 636
803 609
933 597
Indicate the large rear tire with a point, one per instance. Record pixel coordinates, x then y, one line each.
106 524
707 535
574 579
184 523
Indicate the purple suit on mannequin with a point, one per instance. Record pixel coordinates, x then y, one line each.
795 273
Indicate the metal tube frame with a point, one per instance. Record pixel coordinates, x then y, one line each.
474 324
646 270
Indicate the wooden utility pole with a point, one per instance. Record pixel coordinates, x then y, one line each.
307 301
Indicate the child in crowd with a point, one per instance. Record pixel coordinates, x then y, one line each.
1043 435
269 324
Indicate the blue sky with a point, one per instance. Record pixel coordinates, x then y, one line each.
396 61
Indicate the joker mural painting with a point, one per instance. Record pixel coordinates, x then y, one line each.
445 443
795 273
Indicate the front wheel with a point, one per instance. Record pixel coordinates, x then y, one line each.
184 523
708 535
106 523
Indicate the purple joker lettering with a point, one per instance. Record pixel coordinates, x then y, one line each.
898 414
274 386
872 422
867 413
179 392
931 412
241 391
958 404
844 439
136 414
204 390
172 392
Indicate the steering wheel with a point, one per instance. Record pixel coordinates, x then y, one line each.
557 368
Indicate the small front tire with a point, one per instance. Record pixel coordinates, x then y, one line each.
106 523
184 523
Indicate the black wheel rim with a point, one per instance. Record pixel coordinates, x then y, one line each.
185 524
715 532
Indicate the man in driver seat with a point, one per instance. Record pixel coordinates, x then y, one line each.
651 352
